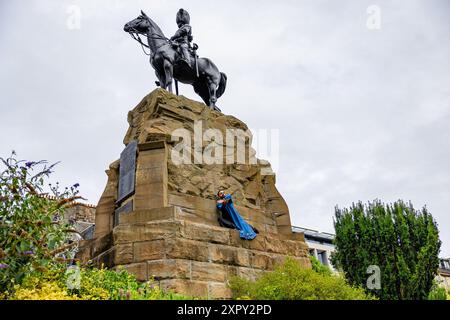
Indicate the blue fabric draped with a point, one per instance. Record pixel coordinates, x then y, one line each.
245 230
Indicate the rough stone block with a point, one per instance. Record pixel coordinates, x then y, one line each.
207 271
295 248
180 248
207 233
197 217
187 287
169 269
219 291
151 179
284 229
123 254
275 245
270 228
229 255
259 216
167 228
124 234
138 269
232 271
261 260
249 273
164 213
146 231
148 250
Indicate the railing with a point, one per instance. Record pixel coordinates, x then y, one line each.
313 233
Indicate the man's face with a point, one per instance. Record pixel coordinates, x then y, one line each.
221 195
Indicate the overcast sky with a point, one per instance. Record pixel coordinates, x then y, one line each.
362 104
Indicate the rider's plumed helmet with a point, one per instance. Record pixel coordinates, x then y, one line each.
183 17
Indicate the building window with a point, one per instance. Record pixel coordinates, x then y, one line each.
322 256
446 264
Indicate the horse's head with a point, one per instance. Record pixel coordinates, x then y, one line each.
139 25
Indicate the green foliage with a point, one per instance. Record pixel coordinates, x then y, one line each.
35 246
319 267
95 284
120 285
437 293
290 281
33 234
403 242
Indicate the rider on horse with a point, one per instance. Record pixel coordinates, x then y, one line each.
183 36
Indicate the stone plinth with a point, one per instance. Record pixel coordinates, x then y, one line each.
196 258
167 229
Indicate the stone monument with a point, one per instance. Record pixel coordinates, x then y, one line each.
157 216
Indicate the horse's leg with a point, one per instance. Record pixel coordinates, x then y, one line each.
160 82
168 71
212 87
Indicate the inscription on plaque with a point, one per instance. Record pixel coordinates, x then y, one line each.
127 207
127 171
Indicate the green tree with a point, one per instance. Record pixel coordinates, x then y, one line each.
33 234
403 242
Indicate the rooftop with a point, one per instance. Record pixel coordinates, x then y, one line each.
314 235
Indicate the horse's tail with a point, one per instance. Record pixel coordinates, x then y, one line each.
222 85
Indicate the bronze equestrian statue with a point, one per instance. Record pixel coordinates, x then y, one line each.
175 58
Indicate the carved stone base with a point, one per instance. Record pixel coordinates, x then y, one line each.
195 258
165 225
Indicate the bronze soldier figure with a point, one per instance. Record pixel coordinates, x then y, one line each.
183 36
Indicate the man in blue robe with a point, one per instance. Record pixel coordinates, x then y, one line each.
230 218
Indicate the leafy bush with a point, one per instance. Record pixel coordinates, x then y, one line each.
290 281
33 233
48 290
35 246
319 267
95 284
437 293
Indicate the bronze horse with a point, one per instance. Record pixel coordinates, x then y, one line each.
165 59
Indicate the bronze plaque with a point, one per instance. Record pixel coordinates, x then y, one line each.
127 171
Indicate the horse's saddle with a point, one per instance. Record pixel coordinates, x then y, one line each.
180 58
